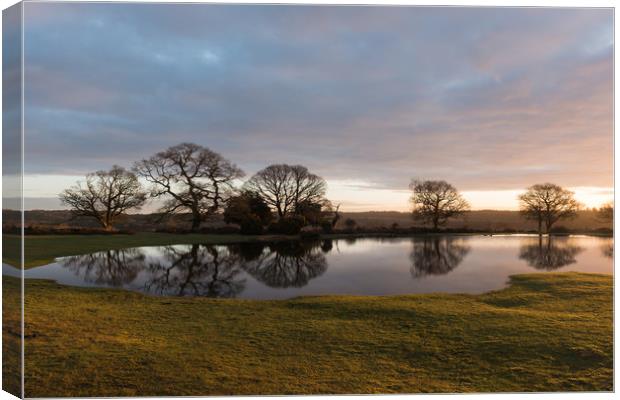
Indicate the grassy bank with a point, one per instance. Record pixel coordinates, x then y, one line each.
546 332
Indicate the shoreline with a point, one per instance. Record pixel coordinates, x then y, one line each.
43 249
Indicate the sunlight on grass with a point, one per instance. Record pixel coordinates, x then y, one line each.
546 332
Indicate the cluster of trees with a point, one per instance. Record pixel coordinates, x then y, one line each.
197 181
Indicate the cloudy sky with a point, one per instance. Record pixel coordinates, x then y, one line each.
492 100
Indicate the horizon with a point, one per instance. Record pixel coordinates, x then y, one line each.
54 204
376 97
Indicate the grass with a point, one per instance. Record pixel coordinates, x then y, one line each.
545 332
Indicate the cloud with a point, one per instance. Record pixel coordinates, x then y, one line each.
487 98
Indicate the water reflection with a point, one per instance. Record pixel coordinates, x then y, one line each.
205 270
269 270
200 271
327 246
288 264
437 255
112 268
608 249
550 253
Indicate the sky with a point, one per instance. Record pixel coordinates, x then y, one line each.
491 100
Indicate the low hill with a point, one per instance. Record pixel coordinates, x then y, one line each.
490 220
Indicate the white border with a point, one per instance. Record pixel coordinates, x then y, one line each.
480 3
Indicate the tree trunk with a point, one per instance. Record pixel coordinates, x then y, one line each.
539 226
195 221
107 226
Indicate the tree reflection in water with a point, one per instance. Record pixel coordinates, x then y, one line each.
211 271
285 264
608 249
437 255
113 267
197 270
550 253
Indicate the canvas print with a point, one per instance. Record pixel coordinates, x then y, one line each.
220 199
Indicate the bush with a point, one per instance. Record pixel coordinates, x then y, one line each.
288 225
561 230
326 226
239 208
251 225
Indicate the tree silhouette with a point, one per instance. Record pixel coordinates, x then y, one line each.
435 202
437 255
287 187
548 203
105 195
191 178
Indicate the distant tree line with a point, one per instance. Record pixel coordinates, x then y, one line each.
196 181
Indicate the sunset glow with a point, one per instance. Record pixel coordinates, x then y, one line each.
490 100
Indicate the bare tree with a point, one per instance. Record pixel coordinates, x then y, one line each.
435 202
285 187
191 178
105 195
548 203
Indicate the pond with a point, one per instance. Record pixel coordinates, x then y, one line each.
276 270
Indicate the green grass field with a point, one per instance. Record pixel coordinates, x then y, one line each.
546 332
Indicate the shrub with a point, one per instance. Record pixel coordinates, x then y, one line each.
326 226
251 225
288 225
239 208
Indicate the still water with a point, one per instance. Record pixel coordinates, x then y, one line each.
424 264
